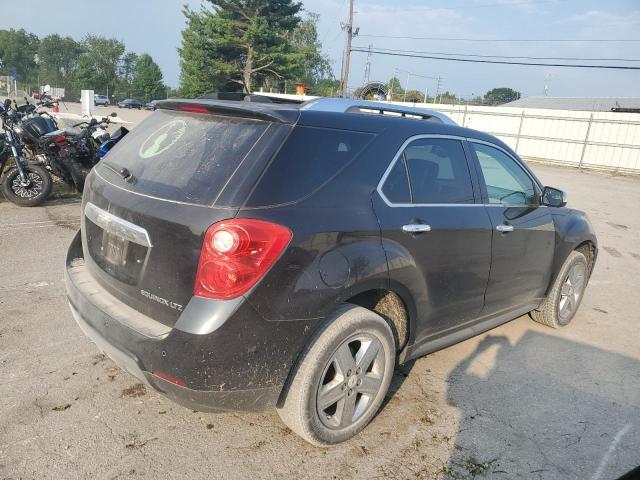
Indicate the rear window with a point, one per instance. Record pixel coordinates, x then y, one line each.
185 157
309 158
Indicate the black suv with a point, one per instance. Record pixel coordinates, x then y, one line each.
251 255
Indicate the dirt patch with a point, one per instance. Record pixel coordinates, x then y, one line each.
134 391
613 252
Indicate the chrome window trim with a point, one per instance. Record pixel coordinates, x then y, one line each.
395 159
518 162
462 139
117 226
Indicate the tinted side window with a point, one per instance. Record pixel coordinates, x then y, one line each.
507 183
309 157
438 171
396 186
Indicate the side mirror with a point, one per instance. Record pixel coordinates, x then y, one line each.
553 197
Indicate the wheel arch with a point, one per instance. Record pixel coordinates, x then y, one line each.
573 232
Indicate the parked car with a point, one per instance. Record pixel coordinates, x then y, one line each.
151 105
101 100
130 103
247 255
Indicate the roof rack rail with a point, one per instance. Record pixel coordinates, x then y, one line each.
343 105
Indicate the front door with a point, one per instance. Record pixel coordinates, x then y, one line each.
436 233
523 231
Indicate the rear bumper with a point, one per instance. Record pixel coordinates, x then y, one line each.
240 362
201 400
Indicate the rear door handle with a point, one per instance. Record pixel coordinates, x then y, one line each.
416 228
504 228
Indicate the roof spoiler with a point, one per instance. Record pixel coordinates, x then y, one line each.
233 108
245 97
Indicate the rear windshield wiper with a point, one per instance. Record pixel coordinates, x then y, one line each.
123 172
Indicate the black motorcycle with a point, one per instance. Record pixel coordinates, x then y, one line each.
67 154
25 184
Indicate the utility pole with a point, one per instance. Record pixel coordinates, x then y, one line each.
547 77
406 87
393 80
367 67
348 27
438 85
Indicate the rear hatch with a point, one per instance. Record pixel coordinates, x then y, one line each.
148 204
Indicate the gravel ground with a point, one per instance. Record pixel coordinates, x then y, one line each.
520 401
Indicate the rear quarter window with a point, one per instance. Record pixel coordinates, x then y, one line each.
185 157
309 158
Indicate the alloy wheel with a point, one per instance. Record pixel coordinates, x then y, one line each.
350 381
32 190
571 291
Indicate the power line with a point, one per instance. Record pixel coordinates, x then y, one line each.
473 60
540 40
500 4
507 56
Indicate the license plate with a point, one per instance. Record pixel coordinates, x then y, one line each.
114 248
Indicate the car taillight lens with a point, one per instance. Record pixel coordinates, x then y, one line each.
193 108
236 254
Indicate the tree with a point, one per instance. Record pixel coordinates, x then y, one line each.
57 59
498 96
147 83
238 42
316 66
18 50
395 88
127 71
97 67
327 87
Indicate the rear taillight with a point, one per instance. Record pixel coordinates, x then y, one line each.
236 254
193 108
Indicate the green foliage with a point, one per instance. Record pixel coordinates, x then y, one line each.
97 67
126 72
18 49
147 84
243 44
327 87
95 63
498 96
395 88
57 59
316 66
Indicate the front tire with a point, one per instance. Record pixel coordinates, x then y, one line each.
341 378
38 190
565 297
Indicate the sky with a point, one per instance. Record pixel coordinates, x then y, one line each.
154 26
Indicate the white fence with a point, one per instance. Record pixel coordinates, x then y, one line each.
603 140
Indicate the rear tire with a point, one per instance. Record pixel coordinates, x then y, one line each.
341 378
78 173
565 297
34 194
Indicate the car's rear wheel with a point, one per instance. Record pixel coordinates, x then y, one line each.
342 377
563 300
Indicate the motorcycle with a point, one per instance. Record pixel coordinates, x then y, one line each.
25 184
69 155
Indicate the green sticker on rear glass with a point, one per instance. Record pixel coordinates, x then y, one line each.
163 138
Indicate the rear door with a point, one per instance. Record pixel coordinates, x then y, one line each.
436 232
523 230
